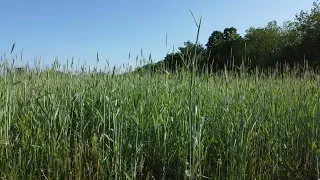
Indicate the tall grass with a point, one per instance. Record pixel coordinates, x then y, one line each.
61 125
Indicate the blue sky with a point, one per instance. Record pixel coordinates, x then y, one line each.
64 29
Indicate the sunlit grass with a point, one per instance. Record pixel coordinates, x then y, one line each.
187 125
93 126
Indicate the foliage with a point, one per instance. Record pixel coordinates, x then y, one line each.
264 44
230 125
224 47
293 44
135 126
176 61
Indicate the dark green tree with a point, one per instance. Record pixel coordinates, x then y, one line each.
265 47
264 44
308 26
224 48
183 57
230 34
214 40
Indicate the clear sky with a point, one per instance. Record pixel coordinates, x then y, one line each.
64 28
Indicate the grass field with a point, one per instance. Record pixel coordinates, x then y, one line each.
94 126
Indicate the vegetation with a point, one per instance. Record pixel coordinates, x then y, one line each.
248 122
63 126
264 47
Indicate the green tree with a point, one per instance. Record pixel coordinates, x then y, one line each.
230 34
308 26
214 40
302 37
224 48
183 57
264 44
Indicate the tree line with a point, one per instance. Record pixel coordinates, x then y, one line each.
294 43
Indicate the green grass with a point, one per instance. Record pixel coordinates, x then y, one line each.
63 126
227 125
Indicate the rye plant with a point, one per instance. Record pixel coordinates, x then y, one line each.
75 123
